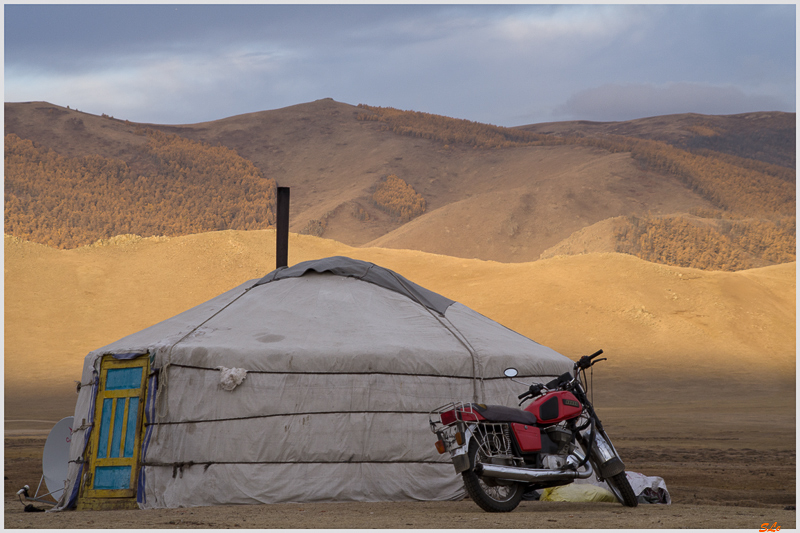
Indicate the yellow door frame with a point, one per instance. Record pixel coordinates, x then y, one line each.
113 489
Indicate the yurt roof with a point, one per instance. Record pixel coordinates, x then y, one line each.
370 272
341 315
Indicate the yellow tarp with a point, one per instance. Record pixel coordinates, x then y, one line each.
573 492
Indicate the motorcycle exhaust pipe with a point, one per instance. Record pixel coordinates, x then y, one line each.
531 475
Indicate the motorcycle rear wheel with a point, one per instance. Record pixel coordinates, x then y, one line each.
492 497
621 488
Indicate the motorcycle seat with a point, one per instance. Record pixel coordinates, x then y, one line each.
501 413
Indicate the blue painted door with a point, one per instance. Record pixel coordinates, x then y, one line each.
117 431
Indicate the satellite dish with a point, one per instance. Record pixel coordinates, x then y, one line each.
55 460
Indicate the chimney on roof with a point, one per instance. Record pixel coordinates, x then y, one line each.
282 232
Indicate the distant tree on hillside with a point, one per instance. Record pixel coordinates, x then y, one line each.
727 185
730 244
450 130
398 198
174 187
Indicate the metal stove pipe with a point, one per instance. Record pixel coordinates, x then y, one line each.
282 228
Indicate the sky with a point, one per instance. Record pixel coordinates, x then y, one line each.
506 65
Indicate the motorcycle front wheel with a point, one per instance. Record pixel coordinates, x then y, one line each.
621 488
491 495
618 483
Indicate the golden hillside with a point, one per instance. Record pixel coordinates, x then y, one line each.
705 239
173 187
60 304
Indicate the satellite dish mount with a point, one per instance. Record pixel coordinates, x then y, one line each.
55 465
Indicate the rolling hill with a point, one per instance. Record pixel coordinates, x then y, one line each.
671 324
502 194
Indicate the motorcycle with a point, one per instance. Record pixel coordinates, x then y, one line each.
504 452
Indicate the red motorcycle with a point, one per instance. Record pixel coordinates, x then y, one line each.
503 452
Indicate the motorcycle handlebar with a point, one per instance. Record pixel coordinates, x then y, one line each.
533 390
586 361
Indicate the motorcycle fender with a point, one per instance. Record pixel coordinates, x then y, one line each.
461 461
612 467
459 454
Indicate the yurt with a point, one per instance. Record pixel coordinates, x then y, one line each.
312 384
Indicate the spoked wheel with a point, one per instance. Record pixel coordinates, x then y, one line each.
491 495
621 488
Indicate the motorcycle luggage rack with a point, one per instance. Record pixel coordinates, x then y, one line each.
449 420
496 440
451 413
455 417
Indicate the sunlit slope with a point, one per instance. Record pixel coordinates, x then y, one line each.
60 304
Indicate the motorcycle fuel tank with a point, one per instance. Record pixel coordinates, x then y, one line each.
555 407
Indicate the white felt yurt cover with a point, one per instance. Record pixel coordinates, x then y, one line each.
338 364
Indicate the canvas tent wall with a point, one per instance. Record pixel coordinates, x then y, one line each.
344 360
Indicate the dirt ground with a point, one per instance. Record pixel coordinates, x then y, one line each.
723 488
726 463
413 515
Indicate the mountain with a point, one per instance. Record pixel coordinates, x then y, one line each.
502 194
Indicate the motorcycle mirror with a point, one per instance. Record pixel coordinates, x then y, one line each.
510 372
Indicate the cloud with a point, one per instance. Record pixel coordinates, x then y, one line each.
613 102
563 24
164 88
502 64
